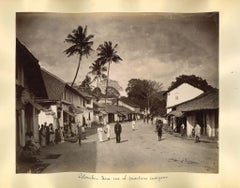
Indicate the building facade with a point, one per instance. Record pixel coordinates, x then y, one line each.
203 110
65 104
29 88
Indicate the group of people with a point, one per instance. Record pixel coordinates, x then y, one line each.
49 136
105 128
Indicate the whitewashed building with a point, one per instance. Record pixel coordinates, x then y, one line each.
204 110
66 104
29 88
180 94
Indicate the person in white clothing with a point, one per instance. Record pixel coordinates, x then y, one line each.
133 125
197 132
100 133
108 128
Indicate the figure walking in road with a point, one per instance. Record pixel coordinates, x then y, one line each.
182 129
133 124
159 129
118 130
108 129
51 133
100 133
43 136
197 132
79 135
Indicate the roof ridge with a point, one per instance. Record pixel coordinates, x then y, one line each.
199 96
53 75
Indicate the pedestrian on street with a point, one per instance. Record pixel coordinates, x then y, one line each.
182 129
100 133
133 125
89 123
84 132
79 136
47 135
152 119
43 136
118 131
51 133
159 125
108 129
197 132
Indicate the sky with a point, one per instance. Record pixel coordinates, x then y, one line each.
155 46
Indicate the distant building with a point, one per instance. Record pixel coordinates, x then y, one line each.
113 113
29 88
88 111
66 103
177 95
188 104
135 109
204 110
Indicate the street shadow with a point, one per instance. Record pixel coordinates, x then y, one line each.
162 139
88 159
85 155
91 131
124 141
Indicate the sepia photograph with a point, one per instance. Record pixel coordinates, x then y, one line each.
117 92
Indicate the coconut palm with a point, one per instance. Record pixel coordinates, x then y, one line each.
107 54
97 69
81 45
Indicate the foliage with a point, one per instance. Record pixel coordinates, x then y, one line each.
107 54
193 80
146 94
97 92
111 83
81 45
97 69
85 84
113 92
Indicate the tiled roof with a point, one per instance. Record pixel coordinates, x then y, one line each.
31 70
85 94
205 101
55 86
128 102
115 109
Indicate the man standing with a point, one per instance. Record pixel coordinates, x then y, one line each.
159 125
197 132
79 135
133 124
118 130
182 129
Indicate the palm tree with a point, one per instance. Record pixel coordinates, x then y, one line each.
107 54
81 45
98 70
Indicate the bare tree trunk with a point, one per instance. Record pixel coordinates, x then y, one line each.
107 83
79 62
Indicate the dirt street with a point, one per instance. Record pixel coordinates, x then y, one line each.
139 151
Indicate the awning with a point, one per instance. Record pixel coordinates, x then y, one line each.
76 109
50 112
37 106
69 113
123 113
176 113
